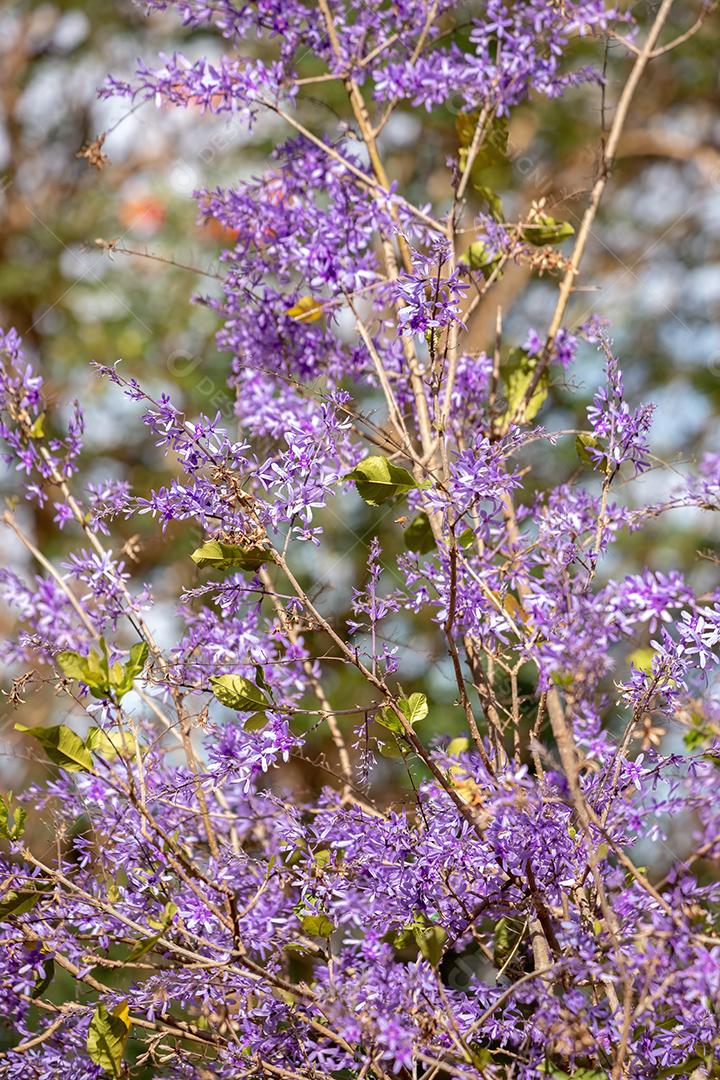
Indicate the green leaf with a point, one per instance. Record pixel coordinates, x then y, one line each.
107 1037
98 668
642 659
387 718
419 535
17 903
45 979
73 665
480 258
509 932
430 941
222 556
393 750
415 708
319 925
92 669
584 443
458 746
519 374
402 938
378 480
256 722
323 857
37 429
138 657
62 746
110 744
239 693
491 200
161 925
12 819
578 1074
547 230
493 148
167 915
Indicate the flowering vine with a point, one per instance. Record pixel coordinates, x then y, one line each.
489 917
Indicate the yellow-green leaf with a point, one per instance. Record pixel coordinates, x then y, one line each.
222 556
458 746
378 480
430 941
256 722
239 693
415 708
584 443
642 659
319 925
480 258
12 818
547 230
490 199
107 1037
37 430
509 933
62 746
160 925
519 375
109 744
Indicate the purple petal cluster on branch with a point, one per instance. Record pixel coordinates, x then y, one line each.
483 913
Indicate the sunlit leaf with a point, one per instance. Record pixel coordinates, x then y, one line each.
37 428
378 480
222 556
237 692
111 744
107 1037
12 818
73 665
62 746
430 941
519 373
317 924
415 708
480 258
458 746
642 659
